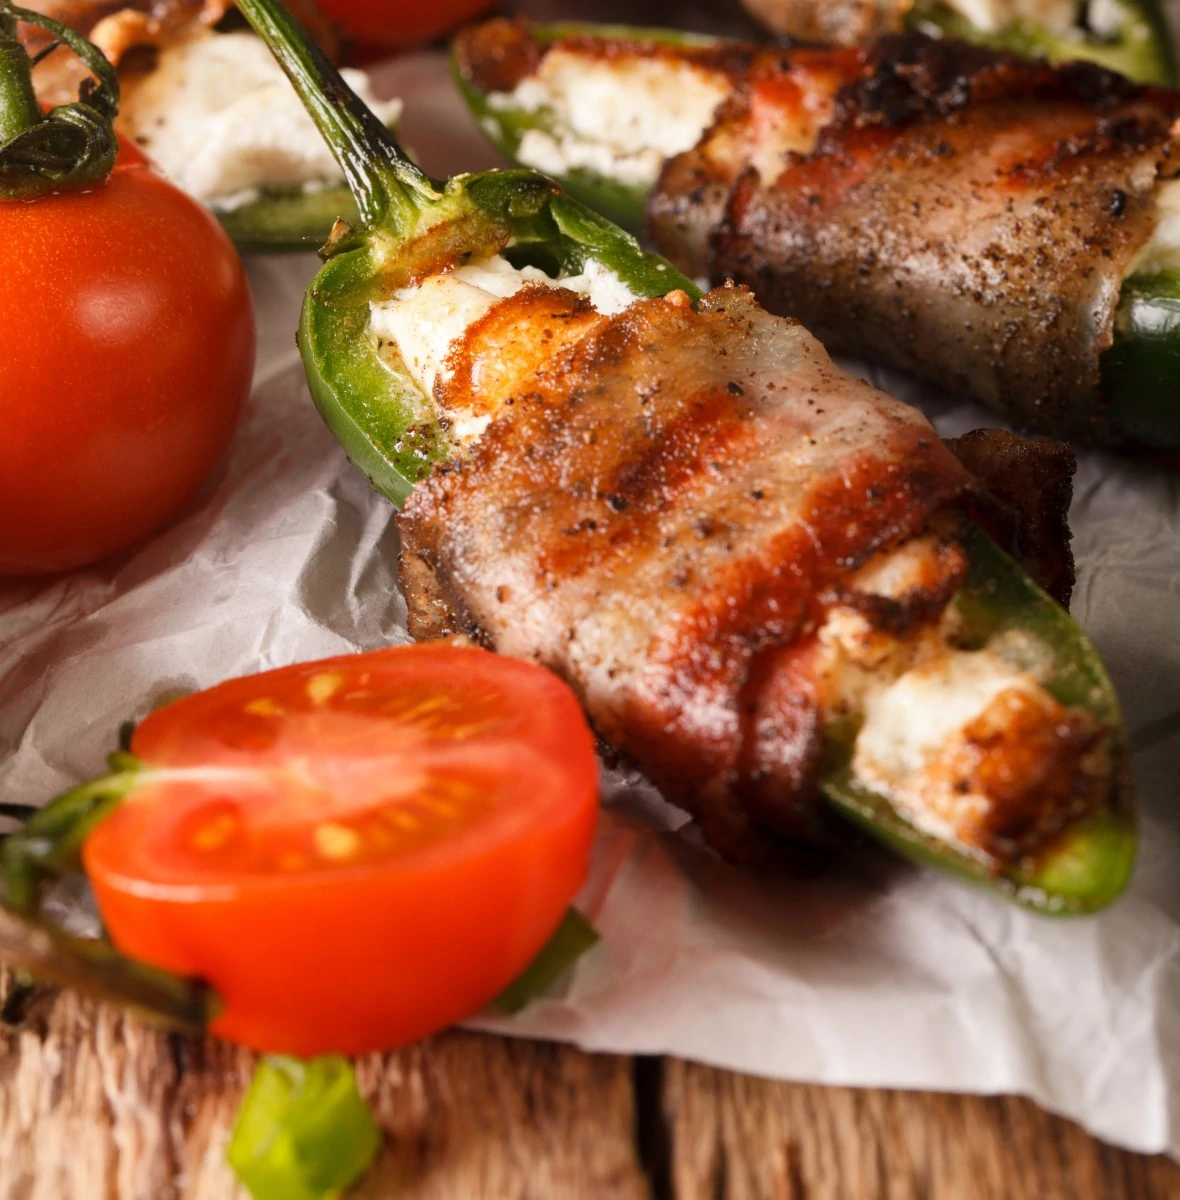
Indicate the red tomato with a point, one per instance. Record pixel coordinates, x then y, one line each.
394 24
129 348
130 155
355 852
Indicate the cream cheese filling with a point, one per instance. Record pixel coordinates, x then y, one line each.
220 119
1162 251
425 321
619 118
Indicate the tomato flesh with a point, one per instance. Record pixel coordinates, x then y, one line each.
357 852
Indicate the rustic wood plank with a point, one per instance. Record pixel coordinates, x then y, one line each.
734 1137
95 1105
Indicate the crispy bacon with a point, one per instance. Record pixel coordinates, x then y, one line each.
965 215
684 512
774 115
1025 489
657 515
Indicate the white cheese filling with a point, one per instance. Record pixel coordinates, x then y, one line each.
1059 17
911 718
620 119
220 119
1162 252
423 322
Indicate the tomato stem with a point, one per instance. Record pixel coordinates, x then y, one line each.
50 841
72 146
19 109
95 967
388 187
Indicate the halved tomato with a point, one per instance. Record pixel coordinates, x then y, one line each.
354 852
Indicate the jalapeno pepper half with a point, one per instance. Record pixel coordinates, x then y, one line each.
390 428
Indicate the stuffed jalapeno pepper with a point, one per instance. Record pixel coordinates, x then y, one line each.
1128 36
213 111
1004 229
763 578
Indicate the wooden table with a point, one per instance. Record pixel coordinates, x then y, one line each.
95 1105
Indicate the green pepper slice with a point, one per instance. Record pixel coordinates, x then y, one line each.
408 224
303 1131
1141 371
288 218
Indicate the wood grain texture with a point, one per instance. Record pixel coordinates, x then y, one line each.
96 1105
733 1137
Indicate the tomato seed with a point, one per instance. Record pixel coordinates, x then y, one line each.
321 688
216 832
336 841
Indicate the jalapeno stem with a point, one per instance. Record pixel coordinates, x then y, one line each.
387 186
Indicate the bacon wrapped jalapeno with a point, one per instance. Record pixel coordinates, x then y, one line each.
763 578
1004 229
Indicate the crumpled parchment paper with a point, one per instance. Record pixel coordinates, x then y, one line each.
876 974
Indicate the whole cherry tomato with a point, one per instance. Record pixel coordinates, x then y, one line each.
356 852
395 24
129 350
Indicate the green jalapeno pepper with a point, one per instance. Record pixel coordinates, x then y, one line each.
391 430
264 217
290 218
282 219
1142 368
505 124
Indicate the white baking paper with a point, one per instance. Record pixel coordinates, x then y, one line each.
877 974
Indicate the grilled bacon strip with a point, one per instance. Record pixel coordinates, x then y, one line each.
1025 490
667 506
966 216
